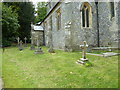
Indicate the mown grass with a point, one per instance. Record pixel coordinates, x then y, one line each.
0 62
24 69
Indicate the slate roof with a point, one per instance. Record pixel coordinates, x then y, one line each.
38 28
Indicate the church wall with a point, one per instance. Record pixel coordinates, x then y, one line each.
35 34
57 35
80 34
67 20
108 26
46 32
72 34
118 24
62 37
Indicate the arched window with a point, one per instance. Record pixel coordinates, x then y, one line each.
86 14
58 18
112 9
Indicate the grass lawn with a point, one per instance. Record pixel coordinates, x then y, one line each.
24 69
0 62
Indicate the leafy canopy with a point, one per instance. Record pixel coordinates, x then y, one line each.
41 11
9 24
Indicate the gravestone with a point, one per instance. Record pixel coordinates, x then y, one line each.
25 41
18 40
32 44
20 46
83 59
38 49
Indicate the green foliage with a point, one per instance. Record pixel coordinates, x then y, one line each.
26 16
41 11
25 11
9 25
24 69
88 64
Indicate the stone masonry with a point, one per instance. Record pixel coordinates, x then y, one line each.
104 28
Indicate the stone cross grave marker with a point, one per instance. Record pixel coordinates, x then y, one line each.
38 49
83 59
21 47
25 41
84 47
32 44
18 40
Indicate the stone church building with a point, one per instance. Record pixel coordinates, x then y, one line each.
68 24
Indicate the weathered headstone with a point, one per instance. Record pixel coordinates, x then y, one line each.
83 59
32 44
25 41
21 47
38 49
18 40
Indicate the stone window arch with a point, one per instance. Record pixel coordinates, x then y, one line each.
112 9
58 18
86 15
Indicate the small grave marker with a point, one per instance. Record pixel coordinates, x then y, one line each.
83 59
32 44
18 40
25 41
38 49
21 47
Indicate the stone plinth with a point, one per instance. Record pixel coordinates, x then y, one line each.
32 47
83 59
38 51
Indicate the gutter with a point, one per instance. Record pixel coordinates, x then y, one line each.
98 38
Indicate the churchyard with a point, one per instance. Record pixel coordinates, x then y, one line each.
73 45
25 69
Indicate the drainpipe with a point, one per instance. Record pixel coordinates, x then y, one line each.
98 39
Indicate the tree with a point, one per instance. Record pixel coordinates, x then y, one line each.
25 12
41 11
9 25
26 16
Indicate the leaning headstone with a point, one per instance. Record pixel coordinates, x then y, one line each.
25 41
18 40
83 59
32 44
38 49
21 47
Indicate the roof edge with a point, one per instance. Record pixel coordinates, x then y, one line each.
50 11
